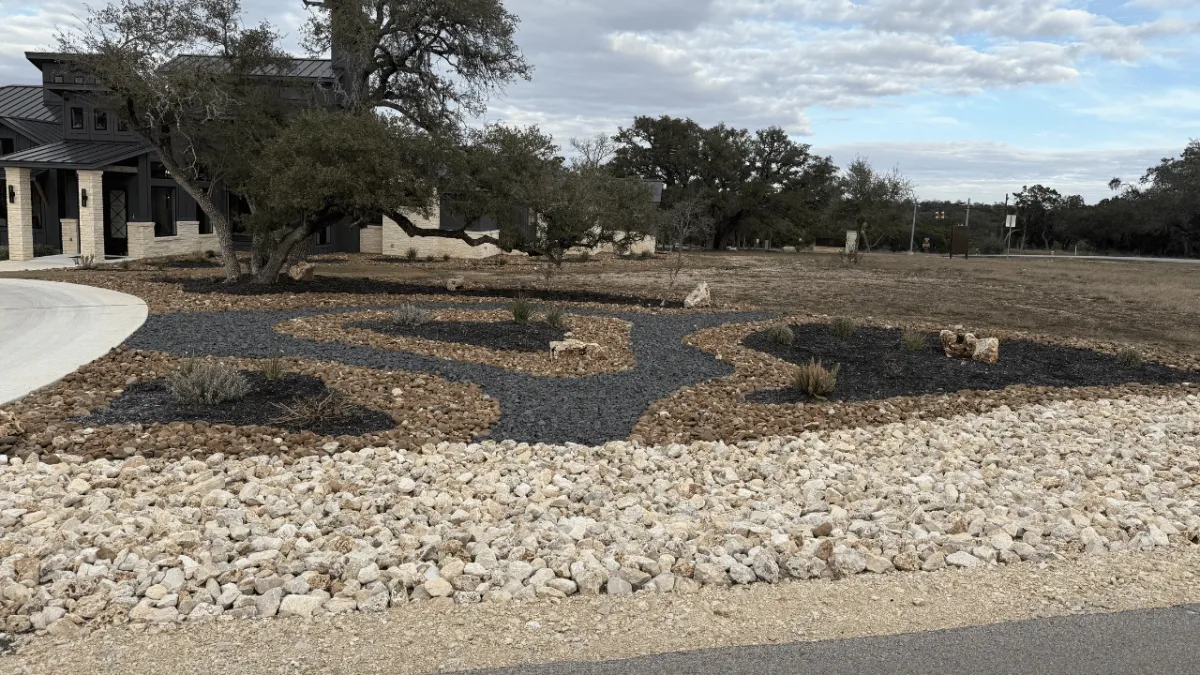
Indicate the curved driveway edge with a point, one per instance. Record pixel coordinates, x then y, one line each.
48 329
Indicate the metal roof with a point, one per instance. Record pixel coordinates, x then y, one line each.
310 69
38 132
26 102
73 155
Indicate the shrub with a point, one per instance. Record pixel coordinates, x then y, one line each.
428 258
411 255
207 383
502 260
1129 357
912 339
316 410
86 262
556 318
646 255
815 380
843 327
445 257
585 256
411 316
522 310
781 335
273 369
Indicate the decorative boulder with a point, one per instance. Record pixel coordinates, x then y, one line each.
960 345
455 283
302 271
572 345
9 426
700 297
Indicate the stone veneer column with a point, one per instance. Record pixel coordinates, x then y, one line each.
91 217
70 235
20 214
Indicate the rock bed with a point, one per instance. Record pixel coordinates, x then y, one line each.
373 329
589 410
167 541
504 335
875 365
266 404
724 408
423 407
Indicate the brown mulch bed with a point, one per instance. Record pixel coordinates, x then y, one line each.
611 334
718 410
425 409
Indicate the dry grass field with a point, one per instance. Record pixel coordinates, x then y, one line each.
1152 303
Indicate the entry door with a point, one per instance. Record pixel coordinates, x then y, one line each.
116 235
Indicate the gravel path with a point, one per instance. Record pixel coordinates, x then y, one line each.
589 410
189 540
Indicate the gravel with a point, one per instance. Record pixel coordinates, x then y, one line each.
874 365
502 335
189 540
590 410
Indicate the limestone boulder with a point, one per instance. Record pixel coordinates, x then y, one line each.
699 297
961 345
302 271
571 345
455 283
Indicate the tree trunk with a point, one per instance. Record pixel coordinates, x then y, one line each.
280 254
220 223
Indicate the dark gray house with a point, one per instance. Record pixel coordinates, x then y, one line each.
76 181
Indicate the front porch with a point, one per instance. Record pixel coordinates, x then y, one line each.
103 201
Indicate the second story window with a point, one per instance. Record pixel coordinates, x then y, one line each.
122 125
101 120
76 118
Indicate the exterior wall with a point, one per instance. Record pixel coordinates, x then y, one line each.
91 217
397 243
649 244
20 214
370 239
187 240
70 236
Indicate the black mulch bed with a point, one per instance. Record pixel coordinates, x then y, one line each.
366 286
876 366
150 402
500 335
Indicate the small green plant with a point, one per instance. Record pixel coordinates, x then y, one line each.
912 339
445 257
273 369
522 310
316 410
126 265
86 262
501 260
585 256
428 258
1129 357
207 383
411 255
843 327
411 316
556 318
814 380
781 335
646 255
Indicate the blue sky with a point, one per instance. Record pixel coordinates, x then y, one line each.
970 98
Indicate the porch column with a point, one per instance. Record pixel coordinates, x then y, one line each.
91 214
20 214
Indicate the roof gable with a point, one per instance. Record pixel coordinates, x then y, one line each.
27 102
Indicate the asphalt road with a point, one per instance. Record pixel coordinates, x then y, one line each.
1158 642
49 329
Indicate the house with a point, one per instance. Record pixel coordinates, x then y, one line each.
77 181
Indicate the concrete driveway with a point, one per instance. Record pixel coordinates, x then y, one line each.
49 329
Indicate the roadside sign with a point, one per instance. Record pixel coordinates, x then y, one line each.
1010 221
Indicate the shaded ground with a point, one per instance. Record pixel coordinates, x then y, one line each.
269 404
499 335
875 365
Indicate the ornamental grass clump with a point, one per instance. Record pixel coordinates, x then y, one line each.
411 254
843 327
781 335
1129 357
273 369
556 318
207 383
912 339
522 310
411 316
814 380
314 411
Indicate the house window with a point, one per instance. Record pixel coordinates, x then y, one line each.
323 237
7 146
162 204
76 118
78 79
59 79
122 125
101 120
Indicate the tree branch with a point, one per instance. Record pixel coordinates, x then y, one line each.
413 230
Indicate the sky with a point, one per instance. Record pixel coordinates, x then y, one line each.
969 98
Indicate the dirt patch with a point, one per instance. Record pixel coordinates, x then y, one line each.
278 403
875 365
611 334
424 408
496 335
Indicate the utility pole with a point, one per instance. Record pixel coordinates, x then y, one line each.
912 238
968 223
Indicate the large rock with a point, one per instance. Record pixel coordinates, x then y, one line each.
987 350
455 283
302 271
961 345
9 426
572 345
700 297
